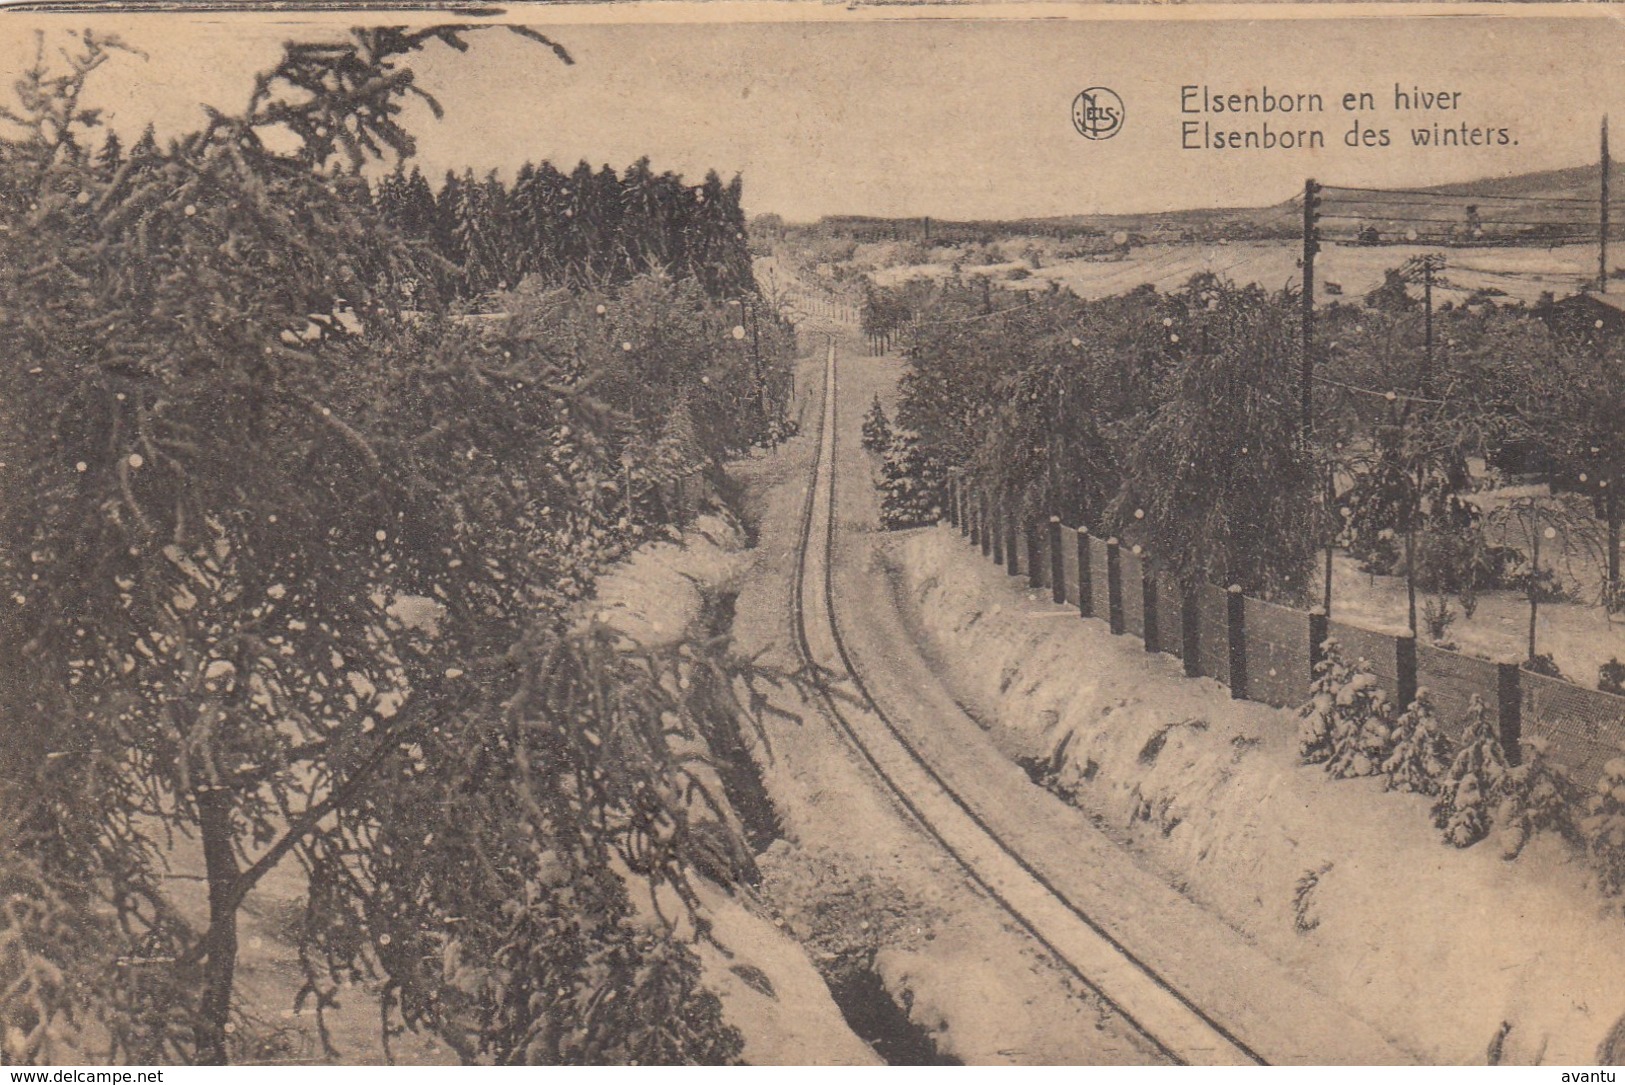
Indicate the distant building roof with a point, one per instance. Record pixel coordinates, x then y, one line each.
1586 314
1616 302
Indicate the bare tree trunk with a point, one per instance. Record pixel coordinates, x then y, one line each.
1534 585
1410 576
1613 550
219 969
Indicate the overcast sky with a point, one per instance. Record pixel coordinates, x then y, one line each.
951 118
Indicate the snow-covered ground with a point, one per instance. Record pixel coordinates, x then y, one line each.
852 878
1521 273
1448 952
1579 636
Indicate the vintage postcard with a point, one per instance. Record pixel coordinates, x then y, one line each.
787 534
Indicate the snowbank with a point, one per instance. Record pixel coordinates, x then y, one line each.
660 594
771 992
1451 953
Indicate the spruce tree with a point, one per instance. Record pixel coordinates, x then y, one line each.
1536 796
1346 723
1604 827
877 436
1421 753
111 156
1469 790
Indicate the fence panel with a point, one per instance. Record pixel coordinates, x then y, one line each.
1213 632
1170 618
1097 579
1069 562
1451 680
1583 727
1133 567
1377 649
1277 654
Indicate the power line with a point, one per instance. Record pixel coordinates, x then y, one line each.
1434 195
1462 222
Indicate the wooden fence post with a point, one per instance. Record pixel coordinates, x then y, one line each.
1035 572
1057 567
1237 614
1509 704
1319 630
1190 630
1405 670
1148 602
1086 584
1114 588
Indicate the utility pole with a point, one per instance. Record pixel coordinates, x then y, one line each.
1431 263
1427 334
1602 234
1311 245
1425 267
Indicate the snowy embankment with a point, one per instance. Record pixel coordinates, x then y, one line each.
662 593
1458 955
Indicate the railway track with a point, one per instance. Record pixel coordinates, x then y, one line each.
1171 1023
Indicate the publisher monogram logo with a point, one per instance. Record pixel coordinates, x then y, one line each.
1097 113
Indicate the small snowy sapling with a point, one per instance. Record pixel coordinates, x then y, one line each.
1346 723
1535 795
1604 827
1421 753
1473 782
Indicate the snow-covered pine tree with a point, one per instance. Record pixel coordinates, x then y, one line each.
1315 715
1362 728
907 499
1535 795
1346 722
1421 753
877 435
1604 827
1475 778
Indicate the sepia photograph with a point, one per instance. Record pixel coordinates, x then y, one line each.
774 534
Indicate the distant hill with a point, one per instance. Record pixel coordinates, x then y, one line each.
1278 221
1569 183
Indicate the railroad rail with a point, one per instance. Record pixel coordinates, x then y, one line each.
1174 1025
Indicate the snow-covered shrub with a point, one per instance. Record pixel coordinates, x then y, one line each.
1346 722
1420 755
877 436
1473 782
1535 796
1604 827
907 497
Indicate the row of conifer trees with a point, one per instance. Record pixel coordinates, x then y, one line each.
586 228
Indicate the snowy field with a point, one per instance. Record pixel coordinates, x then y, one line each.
1345 272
